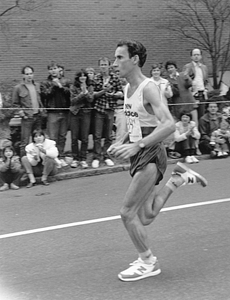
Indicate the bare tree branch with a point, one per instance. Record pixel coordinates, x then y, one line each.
206 24
10 8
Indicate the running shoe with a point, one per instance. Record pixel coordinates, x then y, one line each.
139 270
192 176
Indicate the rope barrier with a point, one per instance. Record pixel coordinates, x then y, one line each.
91 108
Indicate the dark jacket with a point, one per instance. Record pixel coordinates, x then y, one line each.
207 125
55 97
79 100
190 70
21 98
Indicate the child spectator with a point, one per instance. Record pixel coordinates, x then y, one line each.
40 158
10 169
220 139
186 135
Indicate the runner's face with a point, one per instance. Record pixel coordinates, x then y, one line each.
123 64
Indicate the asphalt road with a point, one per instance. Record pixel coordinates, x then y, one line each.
67 242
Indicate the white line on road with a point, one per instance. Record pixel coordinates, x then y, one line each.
26 232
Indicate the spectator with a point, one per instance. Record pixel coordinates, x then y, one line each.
208 123
162 83
186 135
198 73
26 98
120 119
107 90
220 139
40 158
91 73
5 117
182 98
61 71
80 117
56 94
10 169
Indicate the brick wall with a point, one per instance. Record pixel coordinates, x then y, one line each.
77 32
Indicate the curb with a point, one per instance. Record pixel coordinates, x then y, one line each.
106 170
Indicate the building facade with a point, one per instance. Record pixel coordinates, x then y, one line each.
76 33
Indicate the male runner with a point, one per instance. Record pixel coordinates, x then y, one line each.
149 122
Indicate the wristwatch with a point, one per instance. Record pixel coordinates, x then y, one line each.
142 145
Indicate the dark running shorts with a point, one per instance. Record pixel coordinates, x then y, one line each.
155 154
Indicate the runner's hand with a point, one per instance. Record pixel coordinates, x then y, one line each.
124 151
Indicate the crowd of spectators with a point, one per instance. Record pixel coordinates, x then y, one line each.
92 104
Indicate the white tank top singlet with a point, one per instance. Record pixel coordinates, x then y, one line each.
136 114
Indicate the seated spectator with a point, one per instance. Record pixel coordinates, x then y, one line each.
182 99
40 158
208 123
81 99
10 169
186 135
162 83
220 139
5 117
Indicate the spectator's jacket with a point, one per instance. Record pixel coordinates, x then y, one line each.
55 97
180 132
79 100
14 165
106 101
21 99
191 71
208 124
32 150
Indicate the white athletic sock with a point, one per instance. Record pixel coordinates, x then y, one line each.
173 183
147 257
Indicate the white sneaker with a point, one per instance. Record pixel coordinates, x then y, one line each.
188 160
63 163
139 270
5 187
95 163
84 164
194 159
224 153
74 164
58 163
109 162
219 154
